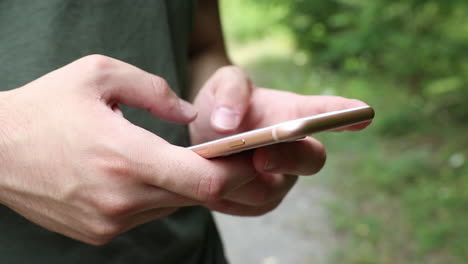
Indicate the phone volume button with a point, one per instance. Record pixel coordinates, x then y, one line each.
236 143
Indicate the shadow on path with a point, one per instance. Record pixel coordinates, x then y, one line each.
296 232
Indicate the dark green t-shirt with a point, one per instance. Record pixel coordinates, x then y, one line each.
37 37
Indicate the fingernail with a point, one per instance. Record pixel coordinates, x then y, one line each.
226 118
187 109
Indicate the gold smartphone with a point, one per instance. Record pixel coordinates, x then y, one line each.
285 131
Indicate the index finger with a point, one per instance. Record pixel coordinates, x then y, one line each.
117 82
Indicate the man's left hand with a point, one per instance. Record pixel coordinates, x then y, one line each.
229 103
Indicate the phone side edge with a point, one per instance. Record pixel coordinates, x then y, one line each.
302 128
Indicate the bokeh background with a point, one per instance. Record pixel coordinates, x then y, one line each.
398 192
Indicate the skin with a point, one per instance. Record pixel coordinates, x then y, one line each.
229 103
73 164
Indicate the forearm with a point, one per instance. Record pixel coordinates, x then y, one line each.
207 49
5 120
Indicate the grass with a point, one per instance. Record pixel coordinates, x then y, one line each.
402 183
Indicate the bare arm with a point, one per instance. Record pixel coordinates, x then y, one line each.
228 103
96 175
207 49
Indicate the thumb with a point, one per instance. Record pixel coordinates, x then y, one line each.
119 82
232 90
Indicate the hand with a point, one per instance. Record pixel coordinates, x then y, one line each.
73 164
229 103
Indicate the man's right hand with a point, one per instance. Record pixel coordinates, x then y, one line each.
73 164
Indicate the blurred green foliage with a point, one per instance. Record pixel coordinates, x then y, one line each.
421 43
402 183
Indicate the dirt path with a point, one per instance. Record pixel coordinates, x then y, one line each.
296 232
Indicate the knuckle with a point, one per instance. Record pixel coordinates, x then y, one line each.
160 87
235 74
97 62
114 163
114 206
210 188
97 68
108 198
161 91
214 182
172 107
120 167
108 204
101 232
99 242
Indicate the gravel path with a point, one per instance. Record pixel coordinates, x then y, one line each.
297 232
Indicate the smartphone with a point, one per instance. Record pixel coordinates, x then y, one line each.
283 132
